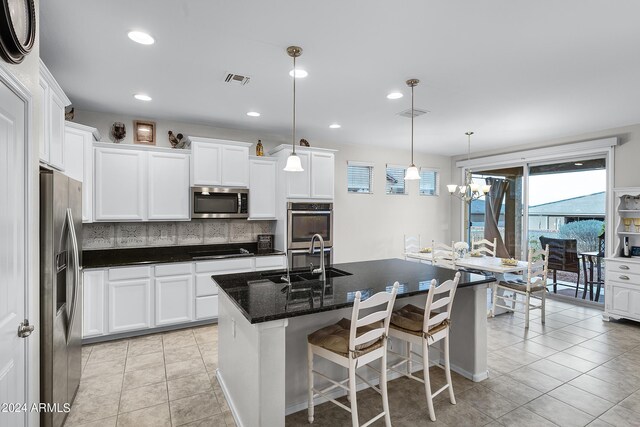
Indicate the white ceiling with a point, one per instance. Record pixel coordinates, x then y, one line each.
514 72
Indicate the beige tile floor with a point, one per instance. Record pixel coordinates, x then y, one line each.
576 370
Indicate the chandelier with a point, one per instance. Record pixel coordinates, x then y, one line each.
469 190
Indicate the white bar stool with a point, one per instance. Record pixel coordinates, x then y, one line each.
353 344
426 327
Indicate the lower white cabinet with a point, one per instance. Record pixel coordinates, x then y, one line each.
125 299
622 288
129 305
94 303
174 299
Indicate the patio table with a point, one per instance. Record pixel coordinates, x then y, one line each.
592 258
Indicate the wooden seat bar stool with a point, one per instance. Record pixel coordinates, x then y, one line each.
424 328
353 344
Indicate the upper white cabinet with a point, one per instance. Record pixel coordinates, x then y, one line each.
120 180
218 162
78 154
141 184
317 179
168 186
54 101
322 175
262 188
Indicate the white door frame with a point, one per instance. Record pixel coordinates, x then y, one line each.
32 232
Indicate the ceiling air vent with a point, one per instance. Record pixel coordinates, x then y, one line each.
236 79
416 112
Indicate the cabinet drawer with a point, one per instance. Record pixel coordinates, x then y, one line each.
173 269
126 273
615 267
206 307
270 262
623 277
205 285
237 265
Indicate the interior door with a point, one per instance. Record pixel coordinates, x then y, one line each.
13 286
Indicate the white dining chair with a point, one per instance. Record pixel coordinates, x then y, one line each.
353 344
411 244
425 327
443 255
485 247
534 287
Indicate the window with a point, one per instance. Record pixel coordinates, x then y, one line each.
395 179
428 182
359 177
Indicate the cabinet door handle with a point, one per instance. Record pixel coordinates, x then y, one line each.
623 267
623 277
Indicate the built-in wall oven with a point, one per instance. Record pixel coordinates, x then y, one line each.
303 221
219 202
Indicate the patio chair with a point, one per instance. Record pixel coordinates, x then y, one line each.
563 256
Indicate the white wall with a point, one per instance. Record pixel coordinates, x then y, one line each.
28 74
367 226
626 160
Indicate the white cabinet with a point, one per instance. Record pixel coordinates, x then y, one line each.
120 178
322 175
94 303
217 162
78 142
173 293
315 182
168 186
129 300
298 184
54 102
207 307
205 164
262 188
622 288
272 262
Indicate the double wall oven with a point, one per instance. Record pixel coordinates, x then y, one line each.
303 221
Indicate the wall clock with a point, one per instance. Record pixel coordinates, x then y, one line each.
17 29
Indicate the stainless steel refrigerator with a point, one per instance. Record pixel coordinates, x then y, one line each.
60 291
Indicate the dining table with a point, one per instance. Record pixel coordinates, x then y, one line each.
481 264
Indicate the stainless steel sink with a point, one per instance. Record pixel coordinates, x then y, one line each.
331 272
298 276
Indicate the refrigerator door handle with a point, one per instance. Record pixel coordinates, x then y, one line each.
76 271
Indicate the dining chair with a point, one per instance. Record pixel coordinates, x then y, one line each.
352 344
485 247
443 255
411 244
563 256
535 287
425 327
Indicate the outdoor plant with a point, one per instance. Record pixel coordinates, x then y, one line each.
585 232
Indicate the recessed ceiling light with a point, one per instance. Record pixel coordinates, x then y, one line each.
578 163
142 97
300 74
140 37
335 126
253 114
395 95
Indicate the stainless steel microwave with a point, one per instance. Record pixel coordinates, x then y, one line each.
219 202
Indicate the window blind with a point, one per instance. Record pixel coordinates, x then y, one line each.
359 177
395 180
428 182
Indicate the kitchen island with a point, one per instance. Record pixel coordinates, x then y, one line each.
263 326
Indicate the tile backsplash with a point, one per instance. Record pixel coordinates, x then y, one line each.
104 235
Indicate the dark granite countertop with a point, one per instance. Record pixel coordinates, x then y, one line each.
261 300
103 258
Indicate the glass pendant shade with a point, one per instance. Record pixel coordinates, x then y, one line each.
412 173
293 164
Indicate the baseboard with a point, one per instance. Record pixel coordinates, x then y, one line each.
227 396
132 334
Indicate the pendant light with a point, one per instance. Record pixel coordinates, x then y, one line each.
293 161
412 172
469 190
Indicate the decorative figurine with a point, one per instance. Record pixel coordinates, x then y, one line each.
304 143
68 115
118 132
176 141
259 149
